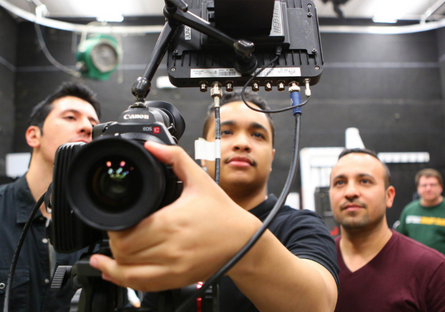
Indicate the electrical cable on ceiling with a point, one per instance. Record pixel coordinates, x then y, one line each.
50 58
384 30
43 46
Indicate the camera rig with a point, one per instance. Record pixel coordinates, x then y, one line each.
198 36
202 52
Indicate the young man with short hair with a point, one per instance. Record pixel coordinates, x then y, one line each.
380 269
424 220
68 115
292 266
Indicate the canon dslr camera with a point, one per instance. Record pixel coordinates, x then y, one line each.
113 182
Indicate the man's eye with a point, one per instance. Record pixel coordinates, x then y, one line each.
259 135
225 132
69 117
339 183
366 181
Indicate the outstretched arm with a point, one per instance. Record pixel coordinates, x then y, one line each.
190 239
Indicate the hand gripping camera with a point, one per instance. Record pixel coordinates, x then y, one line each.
113 182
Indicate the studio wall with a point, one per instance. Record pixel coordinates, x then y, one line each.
8 43
388 86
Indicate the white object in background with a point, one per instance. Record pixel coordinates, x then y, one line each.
353 139
316 165
17 164
317 162
404 157
163 82
293 200
207 150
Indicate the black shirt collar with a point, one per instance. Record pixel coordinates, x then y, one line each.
263 209
23 199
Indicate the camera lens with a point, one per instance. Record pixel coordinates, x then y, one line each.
114 183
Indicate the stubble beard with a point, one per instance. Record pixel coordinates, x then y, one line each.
355 222
360 222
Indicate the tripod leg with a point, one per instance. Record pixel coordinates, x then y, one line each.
98 297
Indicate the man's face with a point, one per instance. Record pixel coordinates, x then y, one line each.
246 147
429 189
71 120
358 196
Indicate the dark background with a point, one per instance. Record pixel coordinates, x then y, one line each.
391 87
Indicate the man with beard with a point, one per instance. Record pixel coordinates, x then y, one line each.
380 269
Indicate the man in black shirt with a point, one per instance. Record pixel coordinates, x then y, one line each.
68 115
292 266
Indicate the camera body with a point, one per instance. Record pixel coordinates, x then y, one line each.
113 182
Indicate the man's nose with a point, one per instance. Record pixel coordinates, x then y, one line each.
351 190
85 126
242 143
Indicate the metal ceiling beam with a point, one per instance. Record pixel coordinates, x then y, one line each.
78 27
384 30
156 29
431 10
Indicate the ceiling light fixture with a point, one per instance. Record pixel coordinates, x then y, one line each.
99 56
389 11
116 18
384 19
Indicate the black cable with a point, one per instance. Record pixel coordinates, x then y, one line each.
278 53
272 111
15 257
280 201
45 50
50 58
218 143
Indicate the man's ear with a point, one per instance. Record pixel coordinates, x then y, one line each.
33 136
273 155
390 195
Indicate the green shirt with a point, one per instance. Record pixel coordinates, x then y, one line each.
424 224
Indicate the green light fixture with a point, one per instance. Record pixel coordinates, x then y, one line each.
98 57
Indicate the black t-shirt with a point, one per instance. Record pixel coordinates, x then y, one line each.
301 231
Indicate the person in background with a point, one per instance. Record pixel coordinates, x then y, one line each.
380 269
424 220
68 115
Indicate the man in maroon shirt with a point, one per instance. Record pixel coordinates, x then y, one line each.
380 269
